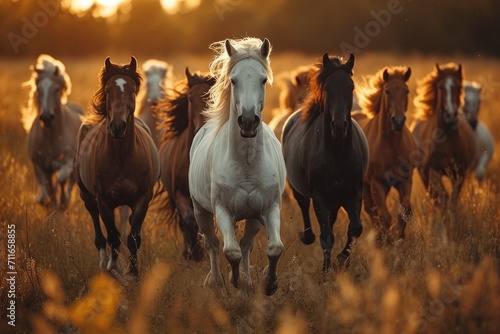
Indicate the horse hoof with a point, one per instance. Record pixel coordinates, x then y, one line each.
307 238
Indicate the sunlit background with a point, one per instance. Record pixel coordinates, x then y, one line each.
81 27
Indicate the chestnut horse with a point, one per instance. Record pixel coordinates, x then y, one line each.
444 138
116 162
326 154
51 124
183 118
384 98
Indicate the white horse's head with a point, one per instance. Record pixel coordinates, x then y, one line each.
472 101
248 89
242 69
157 74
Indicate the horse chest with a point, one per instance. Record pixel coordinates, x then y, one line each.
247 195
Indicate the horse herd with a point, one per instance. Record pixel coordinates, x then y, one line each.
207 129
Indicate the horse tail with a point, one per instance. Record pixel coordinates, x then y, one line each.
168 212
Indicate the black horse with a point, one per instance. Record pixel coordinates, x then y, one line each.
326 154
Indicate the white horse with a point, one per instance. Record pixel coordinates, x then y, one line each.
237 169
158 79
484 140
51 123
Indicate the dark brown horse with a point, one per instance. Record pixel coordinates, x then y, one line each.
445 139
384 98
183 118
326 154
116 162
51 124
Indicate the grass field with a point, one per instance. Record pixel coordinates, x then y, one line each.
444 277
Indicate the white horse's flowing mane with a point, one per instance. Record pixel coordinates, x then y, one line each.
218 108
45 65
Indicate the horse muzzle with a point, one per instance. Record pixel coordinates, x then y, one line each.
118 129
397 123
248 125
47 120
339 129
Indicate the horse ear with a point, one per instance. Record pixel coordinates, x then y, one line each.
438 70
107 63
230 48
56 70
407 74
326 60
385 75
188 74
133 64
350 61
459 69
265 48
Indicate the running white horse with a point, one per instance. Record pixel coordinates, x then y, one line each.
237 169
484 139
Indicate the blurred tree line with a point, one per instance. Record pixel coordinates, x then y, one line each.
447 26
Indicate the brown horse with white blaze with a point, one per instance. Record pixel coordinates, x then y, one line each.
116 162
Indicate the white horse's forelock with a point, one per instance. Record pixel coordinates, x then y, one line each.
46 65
217 111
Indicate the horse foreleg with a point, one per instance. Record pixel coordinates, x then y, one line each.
368 202
231 249
45 189
307 236
326 225
189 228
99 240
66 181
252 227
355 228
274 249
379 190
458 182
436 189
108 217
134 238
204 219
406 211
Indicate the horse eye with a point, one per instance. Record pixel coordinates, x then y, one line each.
264 81
232 82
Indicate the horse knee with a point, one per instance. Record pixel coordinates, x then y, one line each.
274 251
233 255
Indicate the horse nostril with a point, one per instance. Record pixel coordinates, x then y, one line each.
256 121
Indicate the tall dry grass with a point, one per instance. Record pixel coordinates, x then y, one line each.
443 278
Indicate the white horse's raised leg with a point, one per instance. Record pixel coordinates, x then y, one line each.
231 248
252 227
274 249
206 225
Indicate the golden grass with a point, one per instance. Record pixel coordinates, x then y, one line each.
443 278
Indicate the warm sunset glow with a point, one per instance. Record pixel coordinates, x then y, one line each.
100 8
109 8
179 6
